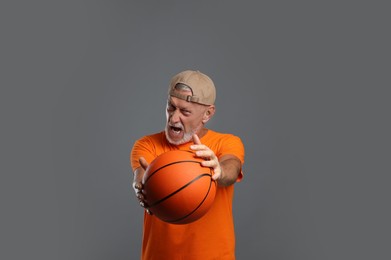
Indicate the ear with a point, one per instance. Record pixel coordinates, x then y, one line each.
208 114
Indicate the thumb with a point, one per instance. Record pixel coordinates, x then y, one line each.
143 163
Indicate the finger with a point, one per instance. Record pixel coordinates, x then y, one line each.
206 154
198 147
137 186
139 196
210 164
196 139
216 176
143 163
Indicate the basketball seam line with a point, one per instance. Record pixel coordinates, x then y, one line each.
153 173
178 190
199 205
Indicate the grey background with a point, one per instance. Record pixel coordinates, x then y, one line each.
305 84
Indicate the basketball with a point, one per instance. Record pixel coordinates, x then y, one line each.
177 188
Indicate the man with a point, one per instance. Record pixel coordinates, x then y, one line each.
190 106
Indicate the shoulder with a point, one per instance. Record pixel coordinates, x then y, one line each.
149 142
219 136
224 143
148 146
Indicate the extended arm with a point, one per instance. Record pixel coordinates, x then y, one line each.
226 169
137 181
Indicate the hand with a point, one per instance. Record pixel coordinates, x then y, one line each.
137 183
211 159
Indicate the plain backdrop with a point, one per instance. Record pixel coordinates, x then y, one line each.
305 84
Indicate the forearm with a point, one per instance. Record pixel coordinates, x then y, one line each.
230 169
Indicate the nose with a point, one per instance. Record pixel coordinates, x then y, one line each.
175 117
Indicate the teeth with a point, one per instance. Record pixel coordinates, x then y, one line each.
176 130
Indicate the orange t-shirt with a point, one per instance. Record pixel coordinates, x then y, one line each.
210 237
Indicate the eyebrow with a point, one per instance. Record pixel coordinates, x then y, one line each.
180 107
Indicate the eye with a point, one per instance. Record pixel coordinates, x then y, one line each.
186 112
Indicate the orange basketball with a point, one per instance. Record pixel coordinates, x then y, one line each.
177 188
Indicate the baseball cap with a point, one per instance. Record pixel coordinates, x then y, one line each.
203 88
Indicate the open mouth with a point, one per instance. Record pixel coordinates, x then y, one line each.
175 129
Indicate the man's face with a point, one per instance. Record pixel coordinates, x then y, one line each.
183 120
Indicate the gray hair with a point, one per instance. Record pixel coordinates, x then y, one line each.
183 87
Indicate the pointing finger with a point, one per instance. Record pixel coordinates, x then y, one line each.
196 139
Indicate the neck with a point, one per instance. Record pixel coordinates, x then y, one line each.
202 132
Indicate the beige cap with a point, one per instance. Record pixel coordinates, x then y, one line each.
204 91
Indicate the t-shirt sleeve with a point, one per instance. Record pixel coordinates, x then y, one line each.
143 147
233 145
